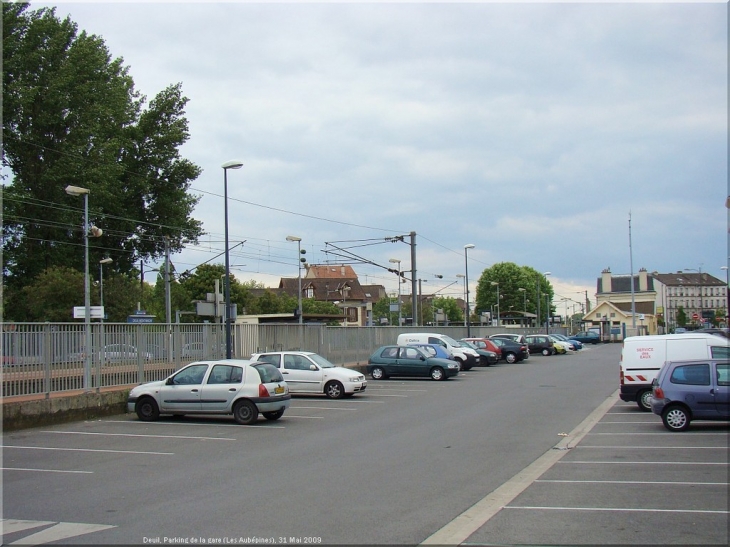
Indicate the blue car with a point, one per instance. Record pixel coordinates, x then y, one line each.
692 390
435 350
577 344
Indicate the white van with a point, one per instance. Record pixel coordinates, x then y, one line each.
643 356
466 357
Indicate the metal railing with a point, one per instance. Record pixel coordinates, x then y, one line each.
44 358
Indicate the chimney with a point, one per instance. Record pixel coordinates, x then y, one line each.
606 280
643 280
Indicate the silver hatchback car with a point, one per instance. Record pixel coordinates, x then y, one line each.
229 386
692 390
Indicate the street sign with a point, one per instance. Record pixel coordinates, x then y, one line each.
695 316
95 312
140 319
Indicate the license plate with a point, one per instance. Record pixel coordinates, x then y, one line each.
279 389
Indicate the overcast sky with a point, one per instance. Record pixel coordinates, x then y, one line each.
532 131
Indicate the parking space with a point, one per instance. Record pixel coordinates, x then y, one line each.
628 481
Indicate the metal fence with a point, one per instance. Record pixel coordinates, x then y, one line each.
42 358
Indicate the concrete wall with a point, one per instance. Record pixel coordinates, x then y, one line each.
21 414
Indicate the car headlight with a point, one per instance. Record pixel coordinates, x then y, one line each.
359 378
455 365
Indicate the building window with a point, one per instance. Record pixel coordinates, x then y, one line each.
309 292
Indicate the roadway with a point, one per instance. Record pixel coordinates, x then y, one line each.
538 452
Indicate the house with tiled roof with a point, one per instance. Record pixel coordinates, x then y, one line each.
340 285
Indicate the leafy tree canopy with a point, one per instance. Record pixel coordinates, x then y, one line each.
72 117
511 278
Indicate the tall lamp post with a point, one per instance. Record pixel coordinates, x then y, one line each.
78 191
524 295
396 261
494 283
233 164
547 317
539 299
466 307
299 273
466 283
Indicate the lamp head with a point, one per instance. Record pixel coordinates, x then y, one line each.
293 238
394 261
495 283
469 246
233 164
106 260
76 191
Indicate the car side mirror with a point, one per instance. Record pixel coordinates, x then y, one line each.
423 357
168 382
313 367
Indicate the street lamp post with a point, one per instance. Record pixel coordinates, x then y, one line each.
233 164
77 191
497 285
466 284
396 261
547 316
299 274
466 312
524 294
539 299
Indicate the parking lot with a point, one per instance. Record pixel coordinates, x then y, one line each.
615 476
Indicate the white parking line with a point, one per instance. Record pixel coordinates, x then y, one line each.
306 417
616 509
186 423
89 450
135 435
642 463
723 448
297 407
680 483
43 470
692 434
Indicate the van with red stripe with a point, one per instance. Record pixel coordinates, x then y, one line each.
643 356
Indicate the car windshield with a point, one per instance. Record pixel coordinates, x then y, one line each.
466 344
450 341
321 361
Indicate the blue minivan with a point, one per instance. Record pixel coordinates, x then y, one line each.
692 390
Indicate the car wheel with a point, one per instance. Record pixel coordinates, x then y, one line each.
437 373
334 390
245 412
510 357
676 418
147 409
546 351
274 415
378 373
643 399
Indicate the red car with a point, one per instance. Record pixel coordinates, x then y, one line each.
487 344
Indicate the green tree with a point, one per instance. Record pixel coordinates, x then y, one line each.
511 278
71 116
451 308
681 317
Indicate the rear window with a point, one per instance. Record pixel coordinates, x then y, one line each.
720 352
695 375
268 373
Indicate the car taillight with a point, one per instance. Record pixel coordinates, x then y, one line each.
621 380
263 392
658 393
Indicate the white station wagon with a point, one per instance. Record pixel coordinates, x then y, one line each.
307 372
228 386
